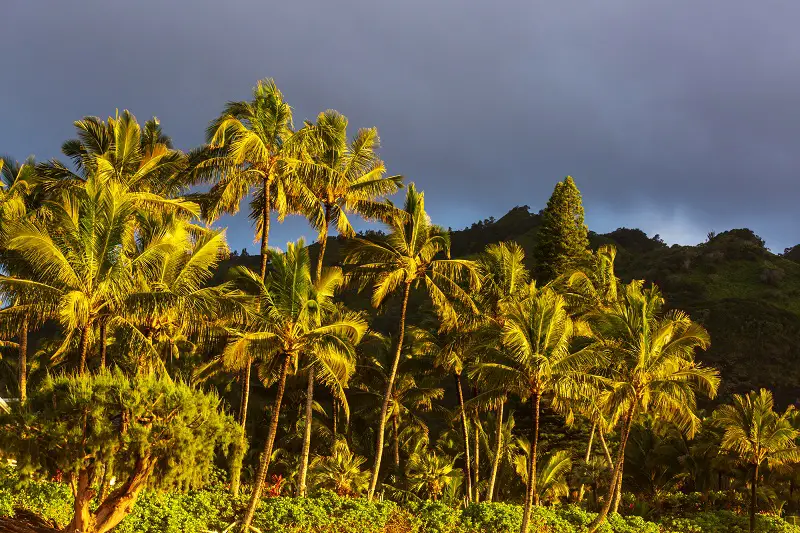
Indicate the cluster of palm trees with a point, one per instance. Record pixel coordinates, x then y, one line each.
118 252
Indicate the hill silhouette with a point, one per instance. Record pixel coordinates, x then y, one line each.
746 296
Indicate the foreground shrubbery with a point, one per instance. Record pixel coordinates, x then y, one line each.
213 509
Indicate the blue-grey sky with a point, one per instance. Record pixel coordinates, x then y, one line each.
677 117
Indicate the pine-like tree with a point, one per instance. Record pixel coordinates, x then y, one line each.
563 243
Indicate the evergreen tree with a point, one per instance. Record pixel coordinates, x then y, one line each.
563 243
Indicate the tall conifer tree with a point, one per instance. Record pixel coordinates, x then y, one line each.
563 243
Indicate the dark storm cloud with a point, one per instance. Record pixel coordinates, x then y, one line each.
676 117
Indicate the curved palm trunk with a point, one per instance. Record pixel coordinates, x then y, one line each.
265 229
753 498
266 455
23 359
626 429
498 448
103 344
586 460
301 486
388 394
465 429
83 348
531 496
236 467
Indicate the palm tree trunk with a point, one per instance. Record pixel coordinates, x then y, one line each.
335 418
618 495
395 429
102 344
606 453
265 229
586 460
83 348
626 429
531 496
236 470
266 455
301 486
477 454
23 359
388 395
498 448
465 429
753 498
323 241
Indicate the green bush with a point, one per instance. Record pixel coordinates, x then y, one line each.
213 508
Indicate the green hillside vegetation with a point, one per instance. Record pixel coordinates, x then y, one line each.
522 374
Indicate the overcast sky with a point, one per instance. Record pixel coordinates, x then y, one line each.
677 117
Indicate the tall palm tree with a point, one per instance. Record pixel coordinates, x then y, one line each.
537 337
757 434
345 177
650 369
291 321
400 260
251 150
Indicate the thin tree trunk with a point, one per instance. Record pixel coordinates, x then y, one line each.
586 460
498 448
605 449
753 498
531 495
477 454
102 344
301 490
236 471
23 359
265 229
626 429
465 429
266 455
83 348
388 395
395 429
335 418
323 241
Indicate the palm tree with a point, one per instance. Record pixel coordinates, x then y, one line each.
551 475
400 260
429 473
172 301
345 177
504 278
332 369
251 149
537 337
341 471
651 368
80 262
17 182
291 321
756 433
413 392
